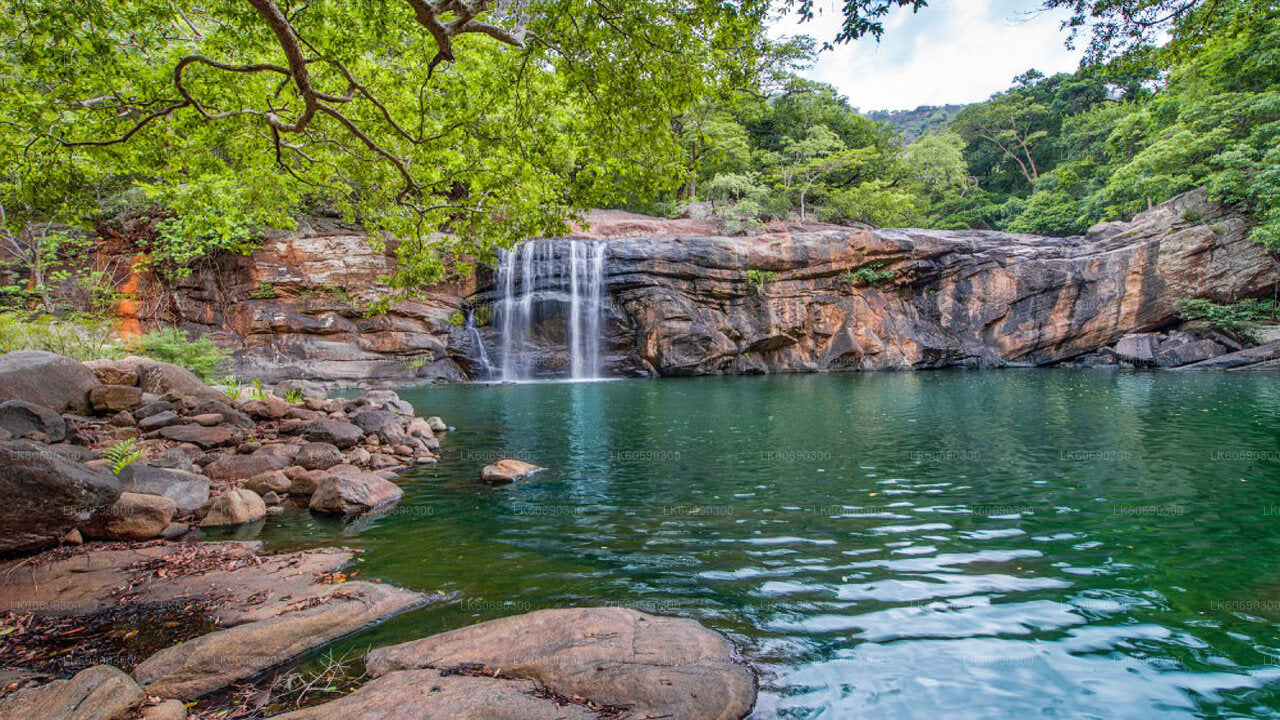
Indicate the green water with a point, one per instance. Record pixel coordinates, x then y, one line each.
1040 543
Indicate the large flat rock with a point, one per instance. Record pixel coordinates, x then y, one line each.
97 693
654 666
45 495
46 379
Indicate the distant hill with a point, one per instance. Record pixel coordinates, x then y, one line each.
914 123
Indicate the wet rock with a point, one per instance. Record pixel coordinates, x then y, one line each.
349 494
204 437
210 662
20 418
334 432
97 693
654 666
114 398
234 507
507 471
133 516
46 379
188 490
318 456
46 495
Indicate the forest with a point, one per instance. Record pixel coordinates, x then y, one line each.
454 128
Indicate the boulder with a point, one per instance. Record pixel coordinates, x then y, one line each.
375 421
229 414
268 407
133 516
1138 348
159 421
318 456
269 482
243 467
109 372
334 432
46 379
235 507
306 482
46 495
114 398
97 693
210 662
507 471
160 378
351 493
1175 354
432 694
208 419
164 710
1239 359
437 425
205 437
188 490
19 417
653 666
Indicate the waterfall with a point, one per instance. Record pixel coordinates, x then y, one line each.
546 271
477 341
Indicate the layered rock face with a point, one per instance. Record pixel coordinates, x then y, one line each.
953 297
683 300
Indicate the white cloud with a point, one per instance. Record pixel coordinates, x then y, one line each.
954 51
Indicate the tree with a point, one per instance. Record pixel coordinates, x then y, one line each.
489 121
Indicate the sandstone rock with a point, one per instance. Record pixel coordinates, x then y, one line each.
207 663
437 425
208 419
46 495
375 421
268 407
133 516
164 710
46 379
205 437
269 482
349 494
159 421
229 414
1240 359
123 419
507 471
1138 349
109 373
654 666
340 434
243 467
174 458
288 451
358 457
97 693
19 418
431 695
234 507
318 456
271 499
153 408
305 484
160 378
113 398
1174 354
189 491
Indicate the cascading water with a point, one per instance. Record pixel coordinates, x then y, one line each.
540 271
477 342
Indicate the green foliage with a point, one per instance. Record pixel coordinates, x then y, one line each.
231 388
264 291
456 319
80 337
758 279
199 355
294 396
1239 318
123 454
872 275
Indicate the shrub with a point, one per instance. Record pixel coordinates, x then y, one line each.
200 355
78 337
872 275
1239 318
760 278
264 291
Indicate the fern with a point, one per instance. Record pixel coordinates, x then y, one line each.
123 454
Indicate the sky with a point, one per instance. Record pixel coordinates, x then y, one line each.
953 51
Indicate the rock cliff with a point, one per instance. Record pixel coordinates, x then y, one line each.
684 300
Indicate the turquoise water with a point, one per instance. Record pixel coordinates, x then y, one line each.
1000 544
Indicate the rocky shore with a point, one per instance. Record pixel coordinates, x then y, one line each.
113 471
